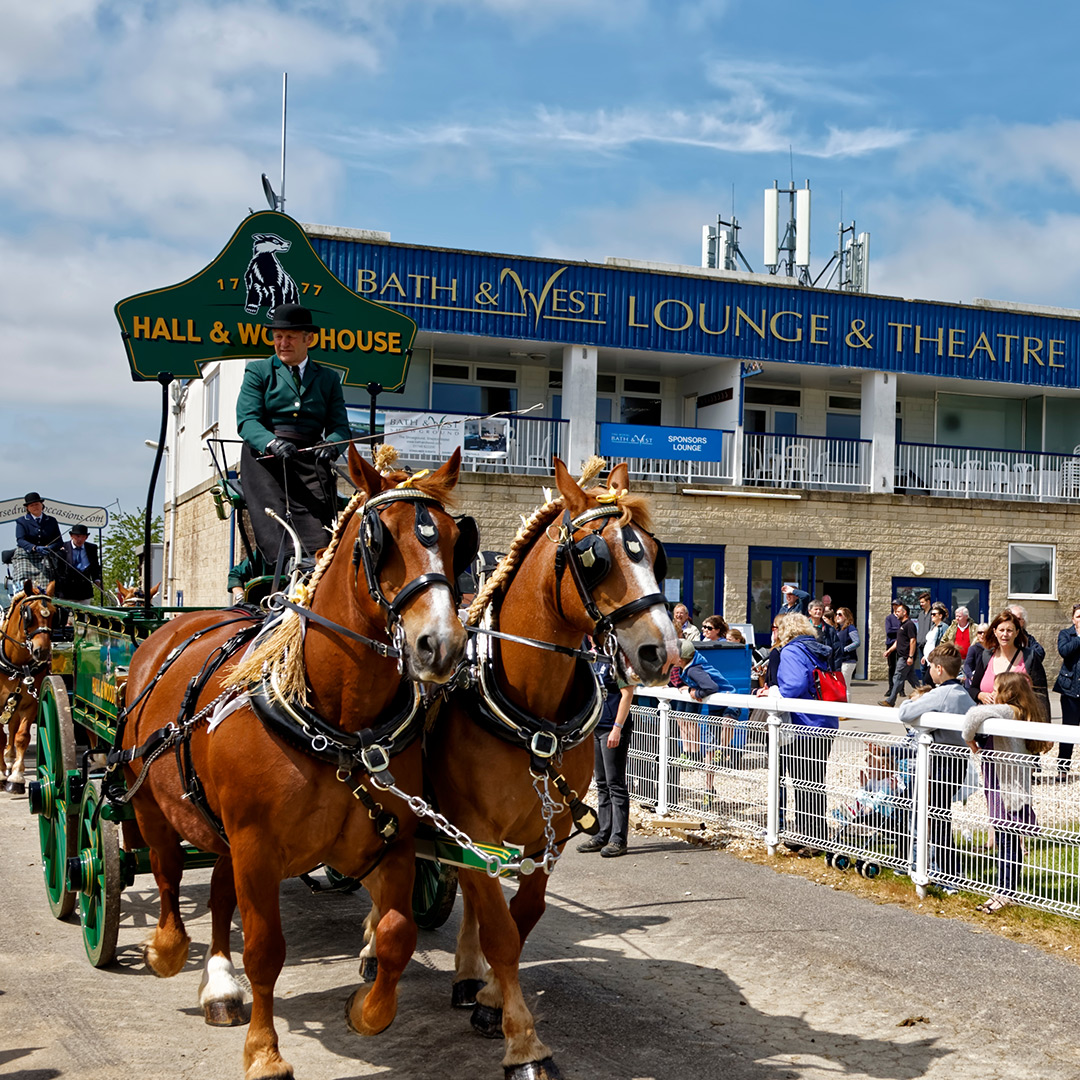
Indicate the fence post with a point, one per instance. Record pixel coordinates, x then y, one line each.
920 874
772 790
663 708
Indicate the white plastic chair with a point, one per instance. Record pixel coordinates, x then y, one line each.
943 475
969 475
997 480
1024 478
796 463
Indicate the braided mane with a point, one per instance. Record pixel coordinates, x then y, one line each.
633 507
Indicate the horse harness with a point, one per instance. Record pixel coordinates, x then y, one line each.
590 561
368 751
25 675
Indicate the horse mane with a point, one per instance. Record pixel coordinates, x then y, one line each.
634 508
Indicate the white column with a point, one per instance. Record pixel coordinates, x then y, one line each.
579 403
879 426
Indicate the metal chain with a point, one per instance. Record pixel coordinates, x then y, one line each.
549 808
493 866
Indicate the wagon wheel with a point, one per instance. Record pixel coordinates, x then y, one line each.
56 824
95 872
434 892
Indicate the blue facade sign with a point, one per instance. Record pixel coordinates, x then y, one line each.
667 443
485 295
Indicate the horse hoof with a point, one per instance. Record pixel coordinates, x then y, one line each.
355 1004
369 969
487 1021
533 1070
225 1013
15 787
463 994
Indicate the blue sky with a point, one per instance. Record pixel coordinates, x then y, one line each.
133 135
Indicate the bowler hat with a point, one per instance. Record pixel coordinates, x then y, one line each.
32 497
292 317
79 530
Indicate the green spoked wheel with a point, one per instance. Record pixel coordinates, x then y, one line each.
48 792
434 892
94 871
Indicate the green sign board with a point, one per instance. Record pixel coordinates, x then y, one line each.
224 311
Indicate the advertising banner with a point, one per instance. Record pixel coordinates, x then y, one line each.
93 517
667 443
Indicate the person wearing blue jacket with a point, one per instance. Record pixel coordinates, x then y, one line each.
1068 685
805 755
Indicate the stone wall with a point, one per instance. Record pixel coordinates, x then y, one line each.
953 538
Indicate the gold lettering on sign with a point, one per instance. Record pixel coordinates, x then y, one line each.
632 312
705 329
1032 347
818 325
1051 352
1008 339
956 341
365 281
392 283
776 333
920 337
900 328
982 345
741 317
689 311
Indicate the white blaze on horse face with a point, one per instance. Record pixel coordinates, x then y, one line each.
643 575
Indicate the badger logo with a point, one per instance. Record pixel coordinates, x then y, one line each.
267 282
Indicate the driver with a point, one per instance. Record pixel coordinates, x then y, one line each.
37 535
288 407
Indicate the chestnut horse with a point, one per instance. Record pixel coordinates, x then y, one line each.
25 655
584 563
269 784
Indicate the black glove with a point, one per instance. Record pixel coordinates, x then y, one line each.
328 453
281 448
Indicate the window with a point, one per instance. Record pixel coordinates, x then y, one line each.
477 389
1032 572
211 397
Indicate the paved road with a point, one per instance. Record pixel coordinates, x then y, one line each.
673 963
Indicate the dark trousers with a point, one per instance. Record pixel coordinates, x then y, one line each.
805 760
905 672
891 661
301 490
946 778
612 797
1070 714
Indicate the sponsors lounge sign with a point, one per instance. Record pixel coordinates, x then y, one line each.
666 443
223 312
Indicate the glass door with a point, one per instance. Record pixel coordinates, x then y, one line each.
695 578
952 592
769 571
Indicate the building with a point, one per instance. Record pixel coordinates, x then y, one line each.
858 446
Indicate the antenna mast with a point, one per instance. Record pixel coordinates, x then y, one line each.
284 105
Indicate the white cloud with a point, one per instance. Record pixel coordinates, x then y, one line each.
42 39
953 253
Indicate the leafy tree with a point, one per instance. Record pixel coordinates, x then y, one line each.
125 534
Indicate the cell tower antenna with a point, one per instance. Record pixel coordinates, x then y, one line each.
273 200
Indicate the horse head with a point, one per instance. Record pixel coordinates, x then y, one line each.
612 567
411 552
30 621
133 597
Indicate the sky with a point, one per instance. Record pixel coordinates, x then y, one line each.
133 135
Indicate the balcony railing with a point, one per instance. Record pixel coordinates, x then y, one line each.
528 446
985 473
686 470
806 461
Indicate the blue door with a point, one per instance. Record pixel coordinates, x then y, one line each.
695 577
952 592
769 570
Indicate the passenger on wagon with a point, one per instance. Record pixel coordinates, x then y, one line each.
291 415
37 535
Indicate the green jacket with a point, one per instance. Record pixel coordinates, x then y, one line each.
268 398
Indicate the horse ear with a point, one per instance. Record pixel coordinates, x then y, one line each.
447 475
362 474
619 477
50 589
576 500
153 591
28 587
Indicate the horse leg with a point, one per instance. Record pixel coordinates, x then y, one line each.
372 1009
220 996
470 967
369 960
529 903
258 893
166 950
7 750
526 1056
16 780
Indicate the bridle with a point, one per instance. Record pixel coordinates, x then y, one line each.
8 667
369 550
590 561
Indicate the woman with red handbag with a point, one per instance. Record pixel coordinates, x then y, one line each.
804 752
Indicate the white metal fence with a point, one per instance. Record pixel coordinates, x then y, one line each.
980 472
896 799
806 461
